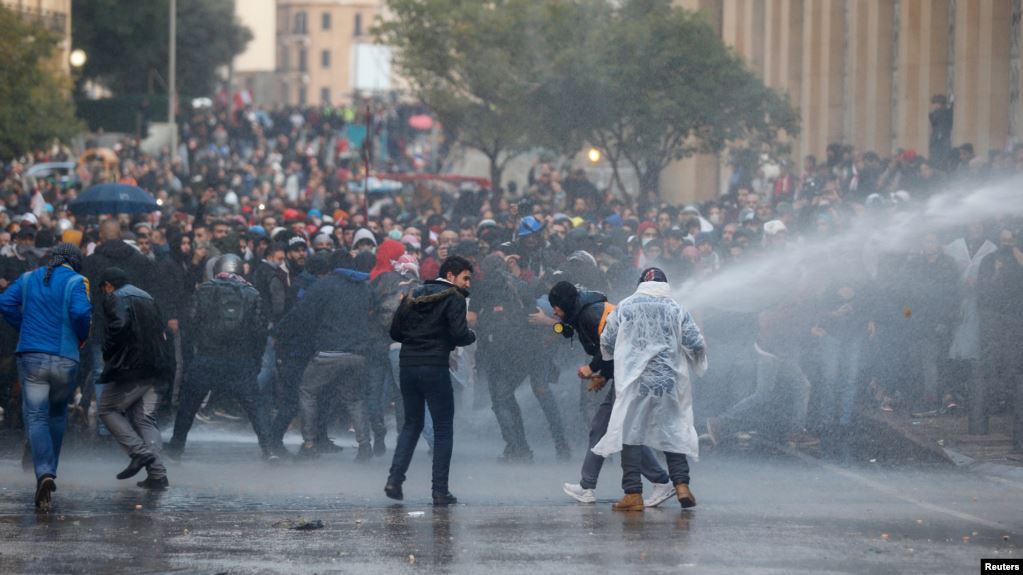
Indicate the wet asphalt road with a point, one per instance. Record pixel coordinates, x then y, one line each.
758 512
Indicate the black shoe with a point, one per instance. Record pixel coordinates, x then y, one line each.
325 445
563 454
444 499
393 490
280 452
137 464
379 447
154 484
516 458
365 453
44 488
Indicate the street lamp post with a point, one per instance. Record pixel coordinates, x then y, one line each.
172 82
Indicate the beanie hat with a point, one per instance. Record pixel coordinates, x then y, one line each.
364 234
563 295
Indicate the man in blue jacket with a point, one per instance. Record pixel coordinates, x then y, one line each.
50 307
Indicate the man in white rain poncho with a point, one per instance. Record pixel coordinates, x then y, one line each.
655 344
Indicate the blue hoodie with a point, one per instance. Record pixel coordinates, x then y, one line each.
52 319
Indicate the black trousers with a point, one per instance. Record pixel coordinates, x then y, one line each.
235 377
425 387
503 377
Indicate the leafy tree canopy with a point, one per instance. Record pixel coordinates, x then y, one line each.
35 93
647 82
126 39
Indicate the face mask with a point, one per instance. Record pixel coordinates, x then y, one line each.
714 219
645 240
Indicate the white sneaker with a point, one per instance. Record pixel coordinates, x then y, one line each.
661 493
576 491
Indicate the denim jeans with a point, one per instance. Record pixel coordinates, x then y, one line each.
840 359
632 468
379 389
267 367
772 370
94 379
47 382
425 387
648 465
399 405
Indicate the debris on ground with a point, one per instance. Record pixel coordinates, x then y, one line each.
299 524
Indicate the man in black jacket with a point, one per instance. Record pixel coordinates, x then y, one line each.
429 324
583 314
136 355
230 330
111 252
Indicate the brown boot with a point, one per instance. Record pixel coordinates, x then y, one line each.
631 502
685 497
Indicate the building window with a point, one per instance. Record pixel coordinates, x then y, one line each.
302 65
285 92
325 21
325 96
358 24
285 59
325 58
300 23
301 96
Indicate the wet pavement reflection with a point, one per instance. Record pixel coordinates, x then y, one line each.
770 514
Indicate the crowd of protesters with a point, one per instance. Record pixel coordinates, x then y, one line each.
277 278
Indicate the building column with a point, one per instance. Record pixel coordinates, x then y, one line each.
821 101
869 103
982 74
695 179
922 68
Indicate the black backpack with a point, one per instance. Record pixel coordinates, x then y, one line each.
223 312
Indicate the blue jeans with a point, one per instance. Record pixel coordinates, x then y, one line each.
94 378
267 367
632 468
648 465
840 358
422 387
47 382
399 409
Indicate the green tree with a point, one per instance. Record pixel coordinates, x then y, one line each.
472 63
660 86
35 95
646 82
127 40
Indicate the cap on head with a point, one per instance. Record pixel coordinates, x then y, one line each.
114 276
653 275
529 226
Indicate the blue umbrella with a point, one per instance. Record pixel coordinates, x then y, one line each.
113 199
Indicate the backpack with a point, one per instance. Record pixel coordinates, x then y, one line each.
224 312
